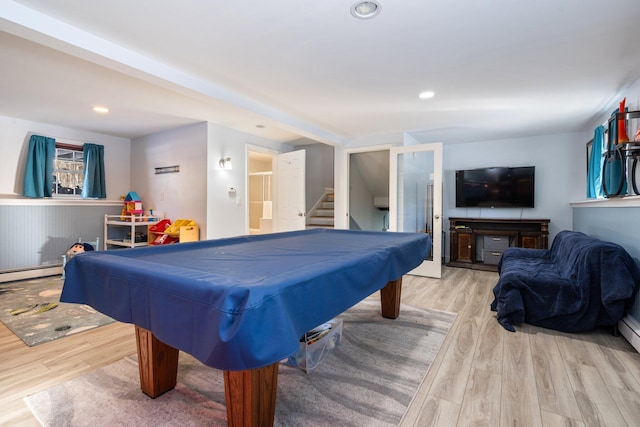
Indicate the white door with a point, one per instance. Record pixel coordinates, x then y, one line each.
289 205
415 198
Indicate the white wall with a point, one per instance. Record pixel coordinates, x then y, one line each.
14 144
319 171
180 195
361 208
227 213
199 190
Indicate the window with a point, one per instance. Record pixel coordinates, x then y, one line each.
68 170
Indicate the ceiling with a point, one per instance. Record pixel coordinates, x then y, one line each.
290 71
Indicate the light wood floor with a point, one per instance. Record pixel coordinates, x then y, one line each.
482 376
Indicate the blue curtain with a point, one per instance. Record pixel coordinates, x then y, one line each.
38 174
594 172
94 185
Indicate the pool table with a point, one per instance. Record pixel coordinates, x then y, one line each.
240 304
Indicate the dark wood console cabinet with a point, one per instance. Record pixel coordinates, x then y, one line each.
478 242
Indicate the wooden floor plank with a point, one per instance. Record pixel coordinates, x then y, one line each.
596 403
490 346
554 389
519 399
572 348
438 413
625 352
628 403
481 404
452 376
613 370
549 419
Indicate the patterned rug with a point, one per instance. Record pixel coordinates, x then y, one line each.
33 311
368 379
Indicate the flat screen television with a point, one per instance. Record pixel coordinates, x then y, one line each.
499 187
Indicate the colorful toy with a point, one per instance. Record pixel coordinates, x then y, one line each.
78 248
132 206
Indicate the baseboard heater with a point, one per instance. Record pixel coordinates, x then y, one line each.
30 273
630 329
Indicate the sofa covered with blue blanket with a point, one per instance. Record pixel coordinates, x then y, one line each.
578 284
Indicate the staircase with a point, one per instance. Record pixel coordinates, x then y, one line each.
321 215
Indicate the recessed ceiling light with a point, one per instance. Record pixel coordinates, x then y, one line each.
99 109
365 9
426 95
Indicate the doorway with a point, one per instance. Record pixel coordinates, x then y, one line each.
413 177
259 193
369 190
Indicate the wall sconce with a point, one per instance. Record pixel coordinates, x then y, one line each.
225 163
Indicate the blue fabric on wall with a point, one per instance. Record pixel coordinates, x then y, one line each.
594 171
38 174
94 185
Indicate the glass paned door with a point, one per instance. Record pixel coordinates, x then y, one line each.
415 202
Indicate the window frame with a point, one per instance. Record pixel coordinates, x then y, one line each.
78 172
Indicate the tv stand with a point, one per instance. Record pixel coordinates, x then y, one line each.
478 243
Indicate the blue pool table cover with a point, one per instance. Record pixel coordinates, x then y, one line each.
241 303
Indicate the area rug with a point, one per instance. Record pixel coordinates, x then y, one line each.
368 379
33 311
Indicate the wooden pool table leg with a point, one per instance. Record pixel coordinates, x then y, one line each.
158 364
251 396
390 299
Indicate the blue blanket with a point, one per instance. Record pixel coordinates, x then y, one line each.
578 284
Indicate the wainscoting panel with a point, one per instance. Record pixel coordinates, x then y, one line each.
37 235
617 224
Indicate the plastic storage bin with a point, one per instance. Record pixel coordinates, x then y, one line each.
160 226
316 344
174 229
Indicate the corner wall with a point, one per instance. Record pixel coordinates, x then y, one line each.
180 195
616 219
319 171
37 232
227 213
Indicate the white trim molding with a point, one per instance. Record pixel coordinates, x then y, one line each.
58 201
630 329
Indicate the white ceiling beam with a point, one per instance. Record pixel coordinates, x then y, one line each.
37 27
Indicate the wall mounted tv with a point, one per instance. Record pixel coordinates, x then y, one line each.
499 187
